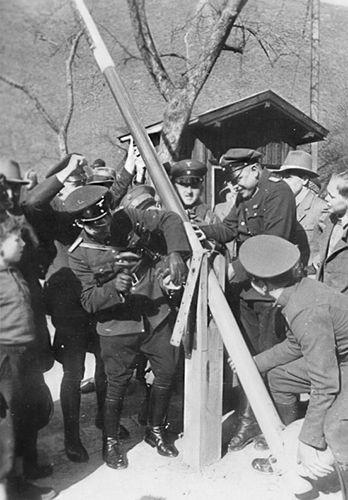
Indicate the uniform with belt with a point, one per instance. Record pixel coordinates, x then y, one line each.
266 206
75 332
132 322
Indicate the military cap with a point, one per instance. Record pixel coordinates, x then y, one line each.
299 161
98 163
236 159
102 175
268 256
140 197
88 203
188 171
11 171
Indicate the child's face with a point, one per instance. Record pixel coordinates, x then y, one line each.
12 248
336 203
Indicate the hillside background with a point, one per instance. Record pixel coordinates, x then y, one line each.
34 49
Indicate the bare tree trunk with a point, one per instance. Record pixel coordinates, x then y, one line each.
181 97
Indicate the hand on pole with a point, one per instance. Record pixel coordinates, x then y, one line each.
177 268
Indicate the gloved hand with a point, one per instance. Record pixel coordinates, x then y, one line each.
123 282
177 268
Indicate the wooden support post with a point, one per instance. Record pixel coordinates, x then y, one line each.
203 387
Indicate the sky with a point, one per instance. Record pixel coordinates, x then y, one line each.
336 2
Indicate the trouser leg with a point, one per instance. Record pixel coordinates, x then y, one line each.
70 347
163 358
263 327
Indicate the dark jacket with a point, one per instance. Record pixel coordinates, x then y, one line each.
96 270
56 227
318 330
271 210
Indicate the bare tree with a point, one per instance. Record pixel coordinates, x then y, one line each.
60 129
181 95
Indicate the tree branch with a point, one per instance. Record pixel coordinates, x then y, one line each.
33 98
148 49
70 89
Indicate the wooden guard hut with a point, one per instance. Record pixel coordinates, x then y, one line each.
263 121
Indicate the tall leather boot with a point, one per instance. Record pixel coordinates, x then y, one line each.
112 454
342 472
155 434
288 413
248 428
70 399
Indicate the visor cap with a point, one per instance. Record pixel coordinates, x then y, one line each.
268 256
89 203
102 175
140 197
187 170
236 159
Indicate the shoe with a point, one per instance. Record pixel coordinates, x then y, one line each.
112 455
155 437
19 489
264 465
260 443
123 431
37 471
76 452
246 434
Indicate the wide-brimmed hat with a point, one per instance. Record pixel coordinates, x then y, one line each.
11 171
299 161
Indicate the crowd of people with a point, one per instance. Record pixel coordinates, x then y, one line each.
94 249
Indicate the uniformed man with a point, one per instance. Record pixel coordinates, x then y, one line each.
187 177
264 205
131 309
314 357
75 332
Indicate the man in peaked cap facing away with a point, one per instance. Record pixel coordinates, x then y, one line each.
264 205
187 177
75 332
312 359
131 309
297 171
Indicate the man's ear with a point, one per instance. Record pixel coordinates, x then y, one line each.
79 224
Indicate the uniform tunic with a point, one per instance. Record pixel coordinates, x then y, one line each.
313 359
272 211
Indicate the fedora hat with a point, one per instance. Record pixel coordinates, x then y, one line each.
299 160
11 171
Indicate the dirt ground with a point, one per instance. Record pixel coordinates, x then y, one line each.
150 476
